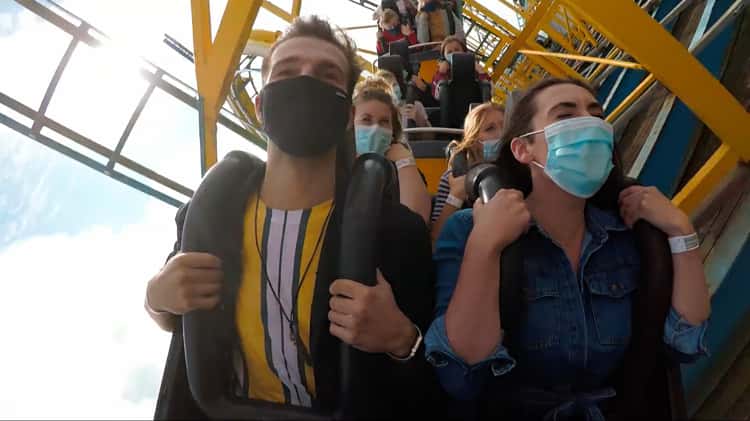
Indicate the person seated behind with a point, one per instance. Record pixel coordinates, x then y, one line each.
404 8
433 21
450 46
391 30
377 129
581 267
481 143
415 112
292 314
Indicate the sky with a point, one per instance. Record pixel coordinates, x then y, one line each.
77 248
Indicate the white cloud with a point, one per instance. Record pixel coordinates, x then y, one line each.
77 342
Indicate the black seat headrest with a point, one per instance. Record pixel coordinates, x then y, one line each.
400 49
462 67
395 65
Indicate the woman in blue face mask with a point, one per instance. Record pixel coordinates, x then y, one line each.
481 143
377 129
561 354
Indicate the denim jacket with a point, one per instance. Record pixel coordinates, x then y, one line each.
576 326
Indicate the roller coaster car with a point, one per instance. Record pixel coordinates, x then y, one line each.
198 378
648 384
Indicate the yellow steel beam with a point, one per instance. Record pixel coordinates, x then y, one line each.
721 163
497 20
215 61
263 36
530 29
632 96
296 7
599 69
618 63
553 67
660 53
278 11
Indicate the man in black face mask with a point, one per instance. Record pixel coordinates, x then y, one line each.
291 312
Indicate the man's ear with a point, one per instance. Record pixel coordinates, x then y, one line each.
520 149
258 112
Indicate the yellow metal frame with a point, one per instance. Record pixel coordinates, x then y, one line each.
215 62
585 23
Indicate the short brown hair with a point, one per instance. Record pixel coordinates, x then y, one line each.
315 27
451 39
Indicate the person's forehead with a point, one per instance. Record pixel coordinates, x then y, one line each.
307 49
372 107
566 92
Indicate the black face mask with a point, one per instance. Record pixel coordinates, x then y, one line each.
304 116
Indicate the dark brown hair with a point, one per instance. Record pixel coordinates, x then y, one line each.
316 27
522 112
449 40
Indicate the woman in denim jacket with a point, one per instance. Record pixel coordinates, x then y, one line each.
581 267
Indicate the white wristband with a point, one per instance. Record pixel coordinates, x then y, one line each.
406 162
684 243
454 201
412 351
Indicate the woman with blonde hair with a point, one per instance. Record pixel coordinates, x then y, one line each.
481 141
377 129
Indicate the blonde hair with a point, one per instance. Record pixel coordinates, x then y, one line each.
386 75
472 128
373 83
368 92
387 15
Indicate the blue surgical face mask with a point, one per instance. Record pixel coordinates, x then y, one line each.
579 154
490 149
449 57
372 139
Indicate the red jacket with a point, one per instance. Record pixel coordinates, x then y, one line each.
385 38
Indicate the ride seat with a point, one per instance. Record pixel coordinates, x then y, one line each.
463 89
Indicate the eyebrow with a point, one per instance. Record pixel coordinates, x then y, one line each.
595 106
286 61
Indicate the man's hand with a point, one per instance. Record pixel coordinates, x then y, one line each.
368 318
189 281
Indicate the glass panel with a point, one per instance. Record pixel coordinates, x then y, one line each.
74 145
230 141
154 19
97 94
31 50
166 139
16 116
151 183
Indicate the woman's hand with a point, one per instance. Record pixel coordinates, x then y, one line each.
457 186
419 83
444 67
649 204
408 111
501 221
406 30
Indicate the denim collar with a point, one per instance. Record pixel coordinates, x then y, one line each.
598 223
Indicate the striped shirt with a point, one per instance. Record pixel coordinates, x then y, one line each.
444 189
274 367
